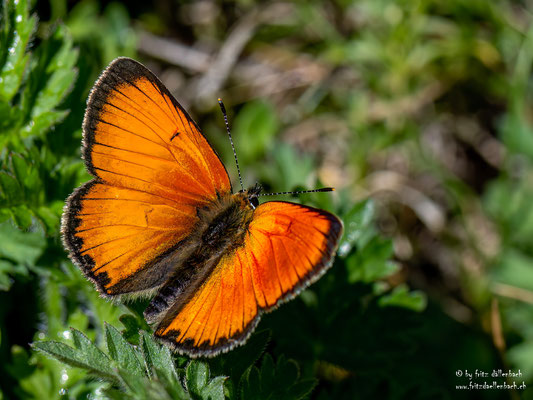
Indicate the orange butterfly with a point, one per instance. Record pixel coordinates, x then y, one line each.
160 218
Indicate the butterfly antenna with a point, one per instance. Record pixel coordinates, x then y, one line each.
329 189
230 139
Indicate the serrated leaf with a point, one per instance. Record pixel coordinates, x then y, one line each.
86 355
122 352
60 74
17 33
199 384
95 358
51 77
22 193
134 384
172 386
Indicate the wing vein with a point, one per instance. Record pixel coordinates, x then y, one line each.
243 292
157 134
182 192
131 132
141 202
166 102
112 157
130 225
110 261
291 260
109 241
251 258
212 313
135 152
142 91
276 264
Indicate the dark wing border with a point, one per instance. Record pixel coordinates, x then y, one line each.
119 71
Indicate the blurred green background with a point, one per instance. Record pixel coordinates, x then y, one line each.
418 112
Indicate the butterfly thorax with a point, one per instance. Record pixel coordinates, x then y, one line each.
223 223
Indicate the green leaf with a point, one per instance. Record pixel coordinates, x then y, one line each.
124 366
258 123
22 194
22 216
515 268
199 384
521 355
51 77
132 325
371 262
402 297
49 219
356 222
6 269
16 31
172 387
21 247
157 357
517 133
10 188
122 352
84 354
135 385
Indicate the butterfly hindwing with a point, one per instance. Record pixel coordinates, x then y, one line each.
153 170
287 247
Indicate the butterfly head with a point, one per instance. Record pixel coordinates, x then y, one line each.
249 197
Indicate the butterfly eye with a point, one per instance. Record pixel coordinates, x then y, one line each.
254 201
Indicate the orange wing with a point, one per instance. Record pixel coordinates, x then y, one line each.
153 169
287 247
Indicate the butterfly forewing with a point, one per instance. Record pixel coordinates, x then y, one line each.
153 169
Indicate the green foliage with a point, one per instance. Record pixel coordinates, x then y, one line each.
31 91
200 385
148 371
33 86
20 252
141 372
423 107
